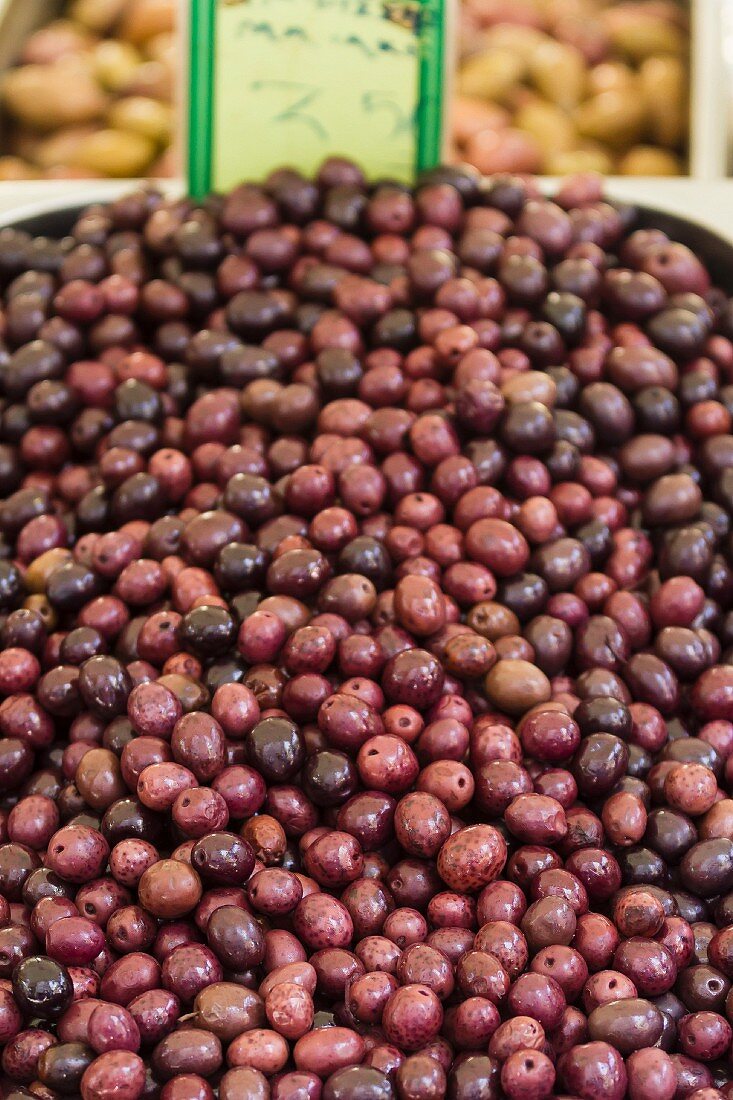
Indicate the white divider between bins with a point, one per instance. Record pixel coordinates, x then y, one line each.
711 90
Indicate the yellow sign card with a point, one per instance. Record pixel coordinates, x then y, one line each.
291 82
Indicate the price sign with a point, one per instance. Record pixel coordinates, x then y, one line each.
278 83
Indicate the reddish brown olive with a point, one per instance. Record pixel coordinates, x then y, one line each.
366 644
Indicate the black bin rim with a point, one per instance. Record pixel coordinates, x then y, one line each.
57 219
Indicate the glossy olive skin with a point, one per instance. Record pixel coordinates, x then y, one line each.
42 987
628 1025
366 635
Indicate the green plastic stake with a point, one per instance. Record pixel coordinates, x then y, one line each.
278 83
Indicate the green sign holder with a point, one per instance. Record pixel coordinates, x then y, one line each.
276 83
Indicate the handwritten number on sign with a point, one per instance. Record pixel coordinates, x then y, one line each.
379 101
248 26
304 96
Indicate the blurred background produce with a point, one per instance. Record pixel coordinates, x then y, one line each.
92 93
560 86
542 86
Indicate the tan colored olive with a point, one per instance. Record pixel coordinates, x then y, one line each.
492 620
41 568
267 837
140 115
531 385
691 788
45 609
191 694
49 96
261 1048
61 147
244 1081
169 889
99 779
611 76
558 71
664 87
144 19
588 158
153 80
509 150
514 686
50 43
470 116
649 160
99 16
294 973
624 819
615 118
640 33
228 1009
718 821
490 75
115 64
325 1050
524 41
115 153
15 168
162 47
549 125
